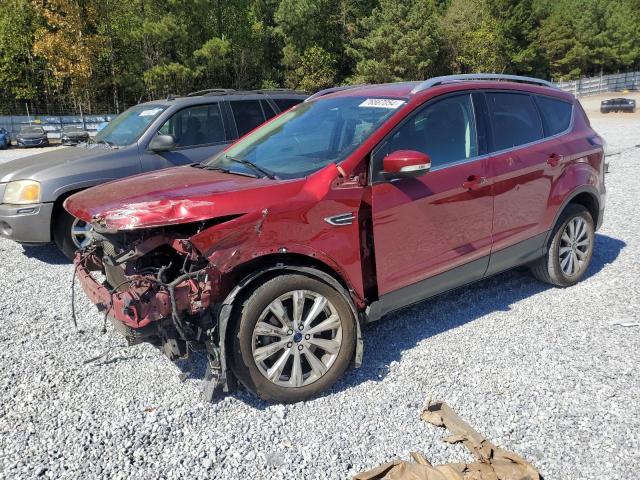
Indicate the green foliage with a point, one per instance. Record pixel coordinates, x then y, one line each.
108 54
398 41
19 69
163 80
474 41
316 70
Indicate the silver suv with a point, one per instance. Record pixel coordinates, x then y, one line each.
149 136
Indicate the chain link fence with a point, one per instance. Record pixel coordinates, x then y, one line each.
53 124
616 82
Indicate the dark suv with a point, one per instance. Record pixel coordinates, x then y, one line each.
358 202
149 136
618 105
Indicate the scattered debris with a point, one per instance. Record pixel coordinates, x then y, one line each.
492 463
621 323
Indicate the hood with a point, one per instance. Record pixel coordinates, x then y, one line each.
52 164
74 134
31 136
176 195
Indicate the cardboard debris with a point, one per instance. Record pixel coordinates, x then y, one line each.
492 463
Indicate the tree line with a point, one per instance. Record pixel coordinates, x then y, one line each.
99 55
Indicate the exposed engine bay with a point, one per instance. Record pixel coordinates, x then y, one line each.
155 287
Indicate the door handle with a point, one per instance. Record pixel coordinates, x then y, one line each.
474 182
553 160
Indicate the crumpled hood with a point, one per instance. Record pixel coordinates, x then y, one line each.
176 195
55 163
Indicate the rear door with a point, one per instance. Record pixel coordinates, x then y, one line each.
526 156
432 224
199 132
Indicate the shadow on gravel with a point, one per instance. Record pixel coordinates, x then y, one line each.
46 253
385 340
402 330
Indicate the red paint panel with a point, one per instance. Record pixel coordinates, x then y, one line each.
176 195
426 225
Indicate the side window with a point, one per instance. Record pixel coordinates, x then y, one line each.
286 103
198 125
514 120
556 114
445 130
267 109
248 115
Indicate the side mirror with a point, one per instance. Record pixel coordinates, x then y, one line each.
162 143
405 163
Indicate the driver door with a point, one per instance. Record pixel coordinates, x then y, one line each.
433 232
199 132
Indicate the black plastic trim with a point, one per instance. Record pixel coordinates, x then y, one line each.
429 287
519 254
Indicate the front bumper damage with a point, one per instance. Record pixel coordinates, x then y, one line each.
173 311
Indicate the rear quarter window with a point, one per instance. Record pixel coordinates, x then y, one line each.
514 120
286 103
248 115
556 114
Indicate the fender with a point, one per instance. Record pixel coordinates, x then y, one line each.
574 193
226 307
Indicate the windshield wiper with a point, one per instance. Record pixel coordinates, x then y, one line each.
262 171
223 170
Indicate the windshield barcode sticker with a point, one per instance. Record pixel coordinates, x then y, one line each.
382 103
149 113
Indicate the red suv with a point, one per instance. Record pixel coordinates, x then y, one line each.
360 201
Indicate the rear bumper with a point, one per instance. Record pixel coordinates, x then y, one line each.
26 223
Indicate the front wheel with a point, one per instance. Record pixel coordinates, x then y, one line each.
570 251
70 233
294 337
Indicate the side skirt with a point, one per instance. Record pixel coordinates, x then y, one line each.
505 259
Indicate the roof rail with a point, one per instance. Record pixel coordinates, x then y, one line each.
327 91
432 82
278 90
211 91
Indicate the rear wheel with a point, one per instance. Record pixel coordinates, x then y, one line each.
294 337
571 248
70 233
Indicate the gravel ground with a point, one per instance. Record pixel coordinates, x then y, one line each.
15 153
542 371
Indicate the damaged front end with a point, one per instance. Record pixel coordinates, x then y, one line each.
156 288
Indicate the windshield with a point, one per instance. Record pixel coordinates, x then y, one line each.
31 130
72 129
308 137
127 127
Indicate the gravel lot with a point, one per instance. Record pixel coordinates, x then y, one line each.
15 153
542 371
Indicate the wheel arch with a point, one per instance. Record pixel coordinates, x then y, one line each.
268 267
587 196
57 206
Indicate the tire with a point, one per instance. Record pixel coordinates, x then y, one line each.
63 223
293 347
556 268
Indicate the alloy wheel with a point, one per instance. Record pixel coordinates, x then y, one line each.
575 243
297 338
80 233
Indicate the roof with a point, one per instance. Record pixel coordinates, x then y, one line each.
228 94
450 82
